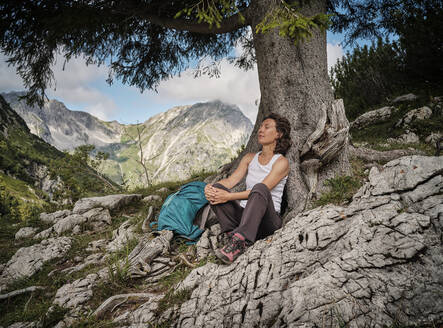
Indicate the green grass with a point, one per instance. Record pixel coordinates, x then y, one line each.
341 190
32 306
173 298
375 135
19 189
92 322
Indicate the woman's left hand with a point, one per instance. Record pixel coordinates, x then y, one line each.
220 196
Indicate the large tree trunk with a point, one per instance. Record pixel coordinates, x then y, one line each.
294 83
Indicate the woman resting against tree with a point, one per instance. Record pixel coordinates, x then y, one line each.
257 215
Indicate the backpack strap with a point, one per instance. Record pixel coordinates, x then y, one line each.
205 216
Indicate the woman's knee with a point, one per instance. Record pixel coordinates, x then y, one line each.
262 190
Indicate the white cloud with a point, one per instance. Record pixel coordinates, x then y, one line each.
234 86
334 51
83 86
72 85
9 80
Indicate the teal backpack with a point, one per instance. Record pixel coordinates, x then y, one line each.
180 208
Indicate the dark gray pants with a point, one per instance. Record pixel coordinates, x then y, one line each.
256 221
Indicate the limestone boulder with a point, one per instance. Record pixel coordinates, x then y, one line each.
377 261
433 138
111 202
73 296
151 198
407 138
55 216
372 117
404 98
28 260
421 113
26 232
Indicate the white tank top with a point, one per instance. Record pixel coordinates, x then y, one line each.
257 173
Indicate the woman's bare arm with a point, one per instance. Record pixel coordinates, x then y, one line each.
239 172
280 169
216 195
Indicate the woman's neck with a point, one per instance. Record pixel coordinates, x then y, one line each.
268 150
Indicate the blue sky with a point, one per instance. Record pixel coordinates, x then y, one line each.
84 88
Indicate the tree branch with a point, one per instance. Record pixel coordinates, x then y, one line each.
227 25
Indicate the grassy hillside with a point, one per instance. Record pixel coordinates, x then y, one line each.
28 165
377 134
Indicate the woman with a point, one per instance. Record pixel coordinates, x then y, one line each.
258 213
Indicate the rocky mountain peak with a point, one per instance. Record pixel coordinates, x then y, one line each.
177 142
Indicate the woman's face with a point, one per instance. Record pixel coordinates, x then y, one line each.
267 134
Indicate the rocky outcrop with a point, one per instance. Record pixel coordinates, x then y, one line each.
421 113
28 260
405 138
111 202
63 128
377 261
25 232
405 98
373 116
93 211
43 181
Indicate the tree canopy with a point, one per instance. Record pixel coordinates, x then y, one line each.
144 42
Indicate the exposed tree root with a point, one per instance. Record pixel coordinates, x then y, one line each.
21 291
115 301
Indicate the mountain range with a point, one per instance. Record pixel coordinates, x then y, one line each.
175 143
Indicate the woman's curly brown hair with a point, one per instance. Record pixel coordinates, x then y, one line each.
282 126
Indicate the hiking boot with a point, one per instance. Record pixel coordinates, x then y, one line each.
225 239
233 249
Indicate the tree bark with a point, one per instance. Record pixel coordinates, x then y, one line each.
294 83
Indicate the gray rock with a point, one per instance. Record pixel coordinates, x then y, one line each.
146 250
28 260
372 117
377 261
408 137
54 217
404 98
121 236
97 245
26 232
25 324
98 217
433 137
111 202
163 190
143 315
151 198
68 223
43 234
208 242
77 293
403 174
203 246
421 113
77 230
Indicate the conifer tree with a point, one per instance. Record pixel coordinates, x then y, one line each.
145 42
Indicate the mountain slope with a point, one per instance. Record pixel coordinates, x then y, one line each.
176 143
63 128
34 172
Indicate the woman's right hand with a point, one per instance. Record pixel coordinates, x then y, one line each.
209 192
